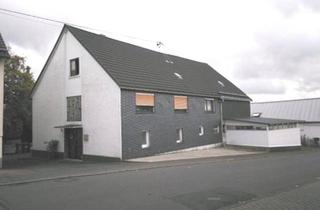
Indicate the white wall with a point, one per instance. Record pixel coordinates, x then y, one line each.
100 97
284 137
311 130
48 102
255 138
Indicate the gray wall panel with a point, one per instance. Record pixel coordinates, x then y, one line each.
163 123
236 109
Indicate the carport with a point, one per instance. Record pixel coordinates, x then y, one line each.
260 132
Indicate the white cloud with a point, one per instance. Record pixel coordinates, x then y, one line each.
247 41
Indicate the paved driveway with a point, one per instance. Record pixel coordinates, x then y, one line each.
207 153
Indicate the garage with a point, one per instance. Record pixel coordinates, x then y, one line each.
267 133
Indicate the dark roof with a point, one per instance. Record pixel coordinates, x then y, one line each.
3 49
265 121
138 68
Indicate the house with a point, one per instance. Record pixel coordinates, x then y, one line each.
264 133
3 55
307 110
100 98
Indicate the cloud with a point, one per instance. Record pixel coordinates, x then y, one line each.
29 34
263 86
285 52
290 7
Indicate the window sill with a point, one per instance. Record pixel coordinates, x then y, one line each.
180 111
74 77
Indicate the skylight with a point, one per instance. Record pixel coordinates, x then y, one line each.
178 75
221 83
169 61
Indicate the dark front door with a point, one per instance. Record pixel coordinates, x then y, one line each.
73 143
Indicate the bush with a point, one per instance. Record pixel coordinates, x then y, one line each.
52 148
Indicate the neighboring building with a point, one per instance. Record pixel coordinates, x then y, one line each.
3 55
307 110
266 133
102 97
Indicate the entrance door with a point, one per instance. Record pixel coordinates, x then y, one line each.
73 143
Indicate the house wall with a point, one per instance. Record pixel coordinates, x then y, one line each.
235 109
100 98
311 130
163 123
284 137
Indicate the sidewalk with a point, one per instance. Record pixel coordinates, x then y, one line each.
25 169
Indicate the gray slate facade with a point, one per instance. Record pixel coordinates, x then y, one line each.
236 109
162 125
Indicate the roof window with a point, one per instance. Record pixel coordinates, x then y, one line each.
221 83
178 75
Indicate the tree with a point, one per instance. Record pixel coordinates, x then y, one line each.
18 83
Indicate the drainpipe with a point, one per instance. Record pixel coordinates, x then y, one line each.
221 121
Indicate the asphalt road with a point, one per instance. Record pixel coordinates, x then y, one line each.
204 185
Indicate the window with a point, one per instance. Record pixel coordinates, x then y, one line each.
179 76
74 108
146 137
144 102
74 67
180 103
179 135
209 105
201 130
216 130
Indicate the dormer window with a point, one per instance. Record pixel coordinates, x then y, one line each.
74 67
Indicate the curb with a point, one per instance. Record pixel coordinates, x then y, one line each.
168 164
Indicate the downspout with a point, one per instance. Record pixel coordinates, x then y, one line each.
221 121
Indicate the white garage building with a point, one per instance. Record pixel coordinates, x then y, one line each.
267 133
307 110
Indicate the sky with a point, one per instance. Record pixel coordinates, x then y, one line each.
268 48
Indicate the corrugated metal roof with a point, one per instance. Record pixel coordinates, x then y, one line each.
3 49
134 67
302 109
265 121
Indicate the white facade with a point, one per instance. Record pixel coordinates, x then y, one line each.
307 110
311 130
286 137
100 101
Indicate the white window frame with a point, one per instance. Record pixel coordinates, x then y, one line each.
180 136
212 105
146 135
201 129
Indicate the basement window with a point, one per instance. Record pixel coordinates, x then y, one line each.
180 103
146 137
179 135
201 130
144 102
74 67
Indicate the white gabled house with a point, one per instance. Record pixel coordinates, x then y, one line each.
101 97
